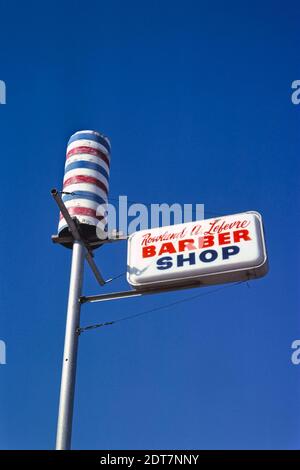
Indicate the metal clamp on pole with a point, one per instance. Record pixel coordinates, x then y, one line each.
76 235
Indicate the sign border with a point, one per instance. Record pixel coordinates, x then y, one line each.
208 279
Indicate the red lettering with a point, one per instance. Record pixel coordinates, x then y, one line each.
241 234
149 251
206 241
224 238
167 248
186 245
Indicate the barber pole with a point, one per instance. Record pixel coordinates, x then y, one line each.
86 183
85 196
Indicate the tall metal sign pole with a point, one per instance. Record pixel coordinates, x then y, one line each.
66 401
85 191
233 249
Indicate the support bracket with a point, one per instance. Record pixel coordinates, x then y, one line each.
76 236
136 293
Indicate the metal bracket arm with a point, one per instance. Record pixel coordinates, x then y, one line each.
135 293
76 235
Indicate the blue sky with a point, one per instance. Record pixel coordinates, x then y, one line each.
195 98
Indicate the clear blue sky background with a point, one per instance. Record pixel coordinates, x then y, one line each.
195 97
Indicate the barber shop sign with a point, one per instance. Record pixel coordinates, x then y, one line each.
212 251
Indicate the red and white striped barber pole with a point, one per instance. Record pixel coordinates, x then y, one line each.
85 195
86 183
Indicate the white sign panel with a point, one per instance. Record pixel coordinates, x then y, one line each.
211 251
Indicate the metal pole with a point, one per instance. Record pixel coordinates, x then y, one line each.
67 388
